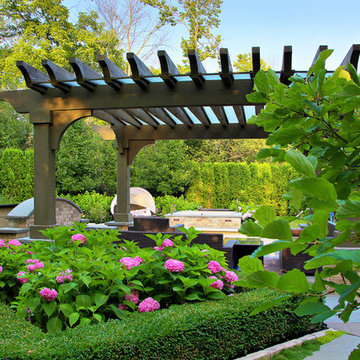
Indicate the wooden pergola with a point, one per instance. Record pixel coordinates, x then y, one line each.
140 108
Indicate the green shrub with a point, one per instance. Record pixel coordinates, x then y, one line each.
96 207
222 185
167 204
210 330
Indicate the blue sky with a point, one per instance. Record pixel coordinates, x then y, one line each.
304 24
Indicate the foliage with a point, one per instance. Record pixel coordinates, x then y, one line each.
15 130
162 168
211 329
83 278
243 63
95 206
221 184
17 174
85 162
167 204
33 30
318 117
199 17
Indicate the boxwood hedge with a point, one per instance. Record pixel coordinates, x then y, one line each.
209 330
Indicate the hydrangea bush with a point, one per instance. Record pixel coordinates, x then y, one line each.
84 277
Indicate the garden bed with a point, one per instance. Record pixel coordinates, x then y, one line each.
209 330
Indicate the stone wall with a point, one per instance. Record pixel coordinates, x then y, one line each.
206 222
4 210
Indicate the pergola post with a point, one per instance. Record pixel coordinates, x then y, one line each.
122 216
44 176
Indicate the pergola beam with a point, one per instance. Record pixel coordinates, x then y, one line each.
200 114
162 115
84 74
197 69
220 113
123 116
240 114
168 69
58 75
33 77
142 115
286 71
139 71
181 115
111 72
352 56
226 72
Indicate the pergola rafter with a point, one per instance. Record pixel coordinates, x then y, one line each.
140 109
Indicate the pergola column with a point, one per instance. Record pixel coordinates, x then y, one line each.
122 216
44 175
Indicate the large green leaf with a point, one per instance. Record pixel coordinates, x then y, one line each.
66 309
250 228
273 247
278 229
265 214
319 261
260 279
293 281
73 318
300 162
49 308
311 308
261 82
83 300
309 233
54 325
321 218
351 208
100 299
248 264
318 188
33 303
285 136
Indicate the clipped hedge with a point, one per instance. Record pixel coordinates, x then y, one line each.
209 330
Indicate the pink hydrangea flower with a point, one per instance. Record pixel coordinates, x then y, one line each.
129 262
232 286
68 277
48 295
1 269
14 242
218 284
78 237
133 297
122 307
230 276
2 243
30 252
31 267
64 276
22 280
174 265
32 261
167 243
39 265
60 279
159 248
214 267
149 304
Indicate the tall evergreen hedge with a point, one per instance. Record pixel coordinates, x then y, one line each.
219 185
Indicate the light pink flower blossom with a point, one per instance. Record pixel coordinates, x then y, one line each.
48 295
1 269
32 261
64 276
159 248
31 267
138 260
214 267
167 243
230 276
39 265
60 279
149 304
22 280
133 297
78 237
2 243
30 252
218 284
129 262
14 242
174 265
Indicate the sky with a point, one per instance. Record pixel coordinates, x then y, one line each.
272 24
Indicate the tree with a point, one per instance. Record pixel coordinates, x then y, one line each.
134 25
243 63
318 118
33 30
162 168
199 17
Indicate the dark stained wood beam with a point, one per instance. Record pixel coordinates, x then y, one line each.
138 70
201 115
84 74
162 115
352 56
256 63
111 72
197 69
168 69
286 70
33 77
240 114
58 75
106 116
226 72
220 113
142 115
123 116
181 115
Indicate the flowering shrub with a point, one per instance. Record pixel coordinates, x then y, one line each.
79 279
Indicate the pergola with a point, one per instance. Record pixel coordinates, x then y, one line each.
140 108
